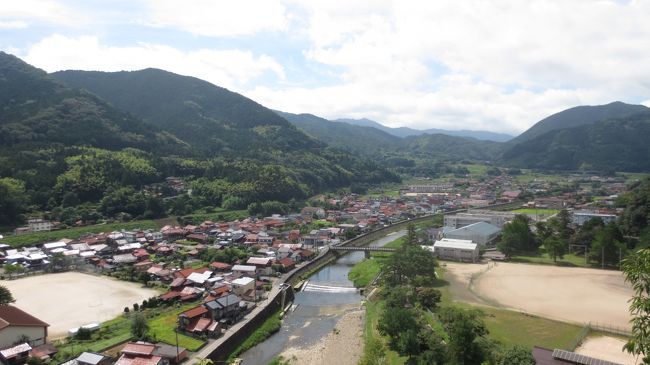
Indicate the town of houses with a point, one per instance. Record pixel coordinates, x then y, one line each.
174 257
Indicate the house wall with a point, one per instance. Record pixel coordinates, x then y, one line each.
241 289
8 336
457 254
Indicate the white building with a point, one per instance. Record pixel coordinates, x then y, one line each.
457 250
242 285
38 224
580 218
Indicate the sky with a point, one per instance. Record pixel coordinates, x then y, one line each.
471 64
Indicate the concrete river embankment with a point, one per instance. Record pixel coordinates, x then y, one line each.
327 296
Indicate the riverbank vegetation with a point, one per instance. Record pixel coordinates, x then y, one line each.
268 328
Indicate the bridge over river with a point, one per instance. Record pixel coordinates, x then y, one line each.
365 249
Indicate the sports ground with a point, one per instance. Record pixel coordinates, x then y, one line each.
69 300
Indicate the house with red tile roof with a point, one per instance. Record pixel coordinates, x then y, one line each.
16 324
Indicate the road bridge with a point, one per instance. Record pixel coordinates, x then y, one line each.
366 249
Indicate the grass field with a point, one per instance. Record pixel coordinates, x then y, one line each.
162 328
533 211
162 322
74 233
544 258
364 272
217 215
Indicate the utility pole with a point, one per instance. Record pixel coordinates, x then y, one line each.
602 255
177 351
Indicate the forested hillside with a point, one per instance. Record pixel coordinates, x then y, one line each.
70 152
578 116
612 145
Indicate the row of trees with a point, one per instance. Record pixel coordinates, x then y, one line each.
602 242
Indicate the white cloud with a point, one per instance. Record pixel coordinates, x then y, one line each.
17 11
13 24
473 64
227 68
463 65
219 18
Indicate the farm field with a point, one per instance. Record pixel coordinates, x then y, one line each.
71 299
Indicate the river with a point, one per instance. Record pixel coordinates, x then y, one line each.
327 297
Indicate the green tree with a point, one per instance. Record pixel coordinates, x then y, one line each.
401 327
428 298
139 325
517 237
5 296
516 355
636 269
555 247
608 245
467 336
408 265
411 235
562 224
13 200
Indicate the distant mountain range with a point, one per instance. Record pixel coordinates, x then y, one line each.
406 132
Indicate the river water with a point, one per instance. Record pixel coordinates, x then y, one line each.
327 297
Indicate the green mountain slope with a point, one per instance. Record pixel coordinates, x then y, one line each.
37 110
580 115
88 143
210 118
610 145
453 149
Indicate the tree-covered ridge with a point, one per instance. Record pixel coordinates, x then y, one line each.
73 154
612 145
578 116
210 118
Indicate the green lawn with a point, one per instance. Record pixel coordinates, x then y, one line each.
364 272
533 211
544 258
162 328
74 233
162 322
515 328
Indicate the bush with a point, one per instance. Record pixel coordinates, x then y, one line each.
83 334
136 307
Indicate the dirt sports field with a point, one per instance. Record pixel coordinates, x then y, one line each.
69 300
607 348
575 295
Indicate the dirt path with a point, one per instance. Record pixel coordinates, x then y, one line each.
343 346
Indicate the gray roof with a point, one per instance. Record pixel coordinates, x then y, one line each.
89 358
478 228
226 300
